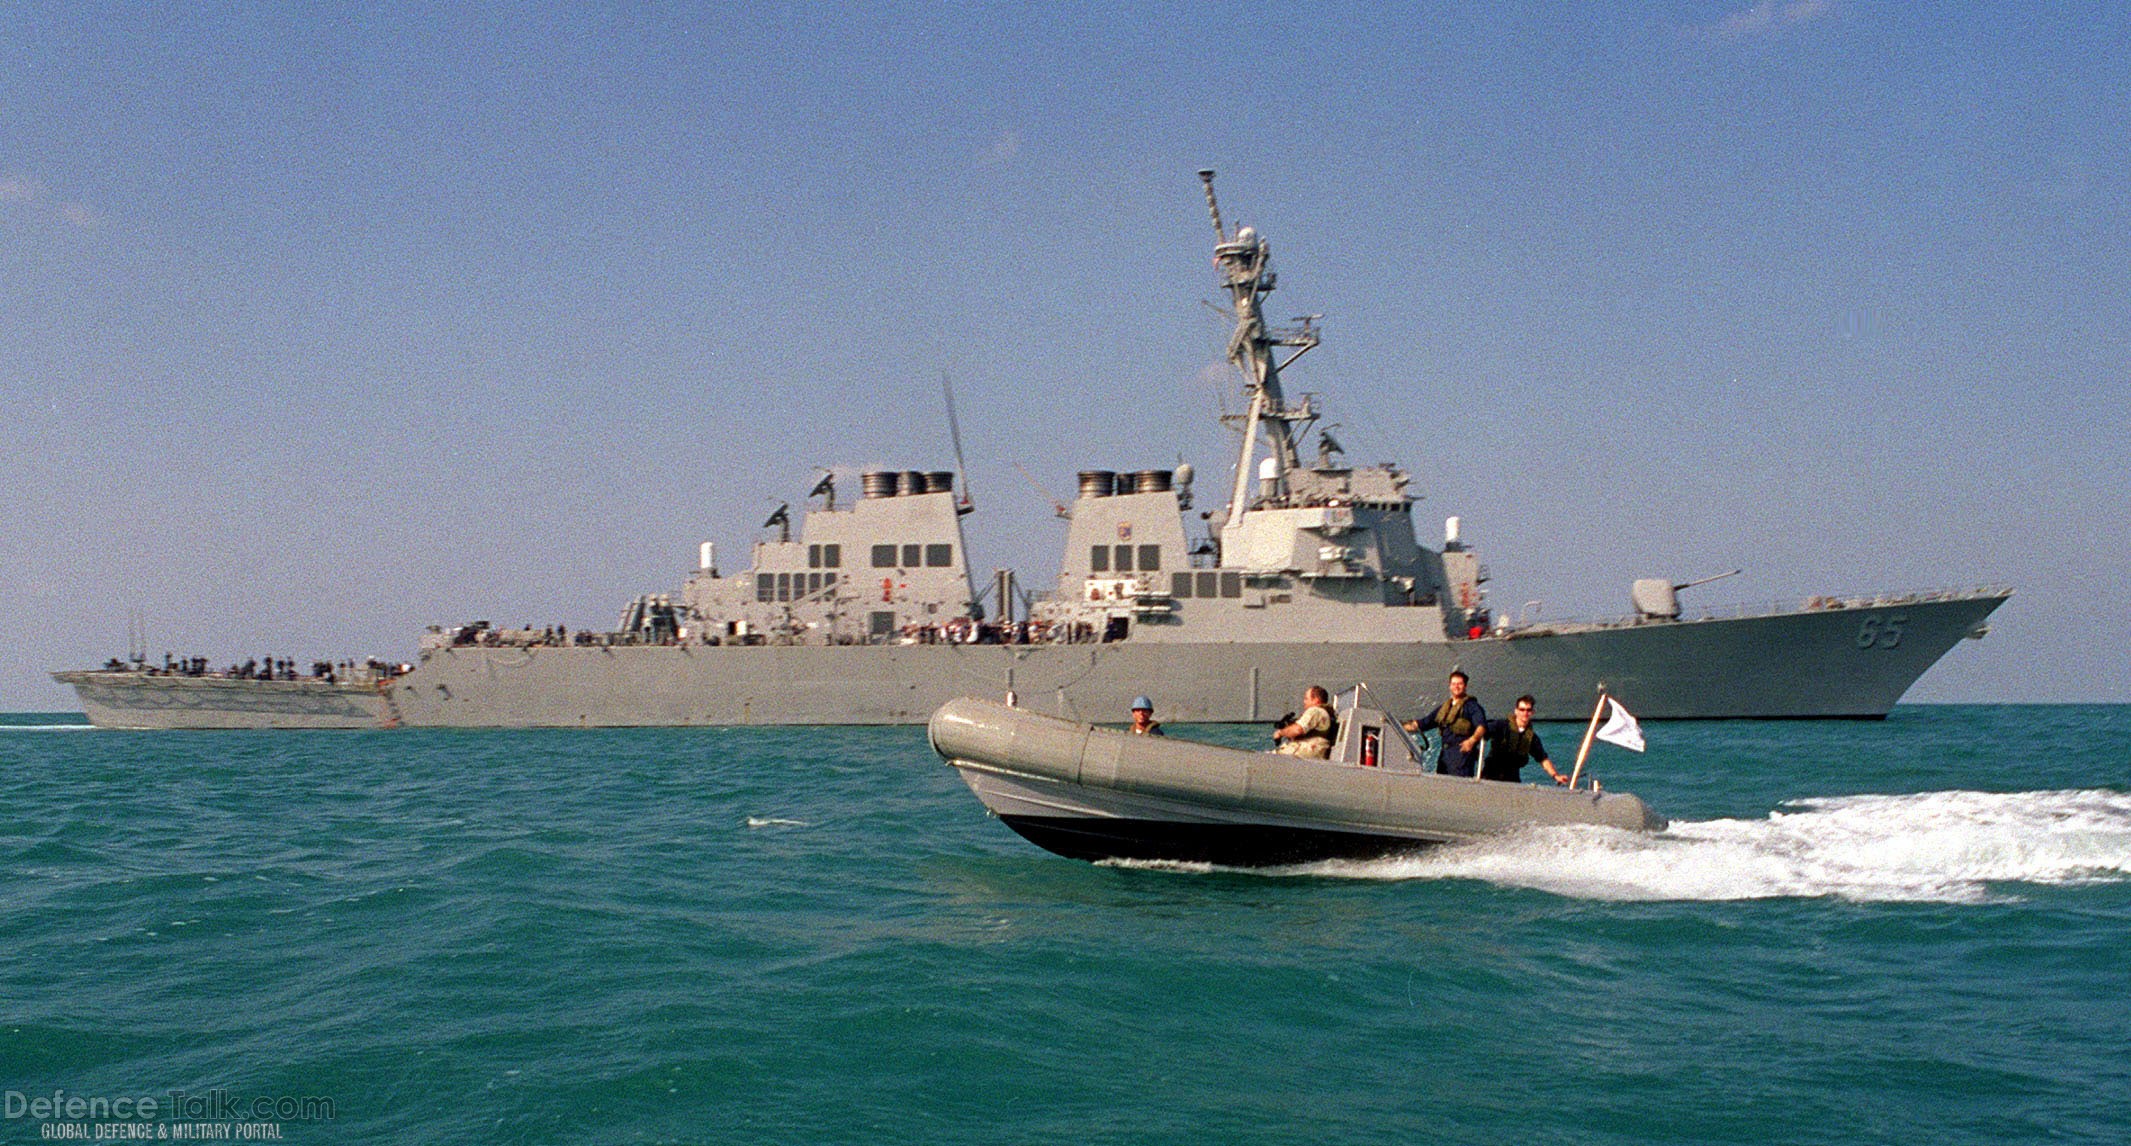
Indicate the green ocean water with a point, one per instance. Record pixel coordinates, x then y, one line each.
1909 931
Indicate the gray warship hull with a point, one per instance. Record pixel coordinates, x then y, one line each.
141 700
1817 663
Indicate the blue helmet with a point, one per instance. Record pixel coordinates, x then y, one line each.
1139 702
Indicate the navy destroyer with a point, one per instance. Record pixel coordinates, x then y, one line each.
1310 571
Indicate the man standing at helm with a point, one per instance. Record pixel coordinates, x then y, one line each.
1463 723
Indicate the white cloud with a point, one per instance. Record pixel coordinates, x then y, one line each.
1766 18
30 193
1003 149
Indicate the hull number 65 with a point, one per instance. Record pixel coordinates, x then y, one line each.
1881 632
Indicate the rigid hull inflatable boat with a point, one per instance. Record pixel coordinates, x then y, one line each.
1100 793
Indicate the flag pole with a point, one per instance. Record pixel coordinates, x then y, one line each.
1588 734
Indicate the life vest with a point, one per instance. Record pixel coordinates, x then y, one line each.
1331 732
1452 720
1518 744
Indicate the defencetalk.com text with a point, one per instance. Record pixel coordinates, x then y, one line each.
212 1105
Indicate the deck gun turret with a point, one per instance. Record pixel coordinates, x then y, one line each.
1657 599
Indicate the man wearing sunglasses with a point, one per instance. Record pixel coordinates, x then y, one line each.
1513 743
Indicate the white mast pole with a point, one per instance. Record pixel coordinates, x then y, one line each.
1245 263
1588 734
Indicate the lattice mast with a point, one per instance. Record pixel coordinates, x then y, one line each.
1245 261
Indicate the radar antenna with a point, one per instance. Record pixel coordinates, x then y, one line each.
1327 447
825 489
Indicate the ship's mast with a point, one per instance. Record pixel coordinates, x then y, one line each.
1245 261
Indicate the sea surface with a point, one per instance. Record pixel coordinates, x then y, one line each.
1910 931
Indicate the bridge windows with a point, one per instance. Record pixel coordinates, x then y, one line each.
1207 584
932 555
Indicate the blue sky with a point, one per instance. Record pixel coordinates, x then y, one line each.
321 324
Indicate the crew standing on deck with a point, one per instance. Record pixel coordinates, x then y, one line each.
1463 723
1513 743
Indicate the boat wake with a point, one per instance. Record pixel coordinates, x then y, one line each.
775 822
1944 847
47 728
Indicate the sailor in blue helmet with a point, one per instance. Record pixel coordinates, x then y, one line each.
1143 718
1464 725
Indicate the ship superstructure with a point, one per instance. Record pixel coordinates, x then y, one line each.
890 566
1315 548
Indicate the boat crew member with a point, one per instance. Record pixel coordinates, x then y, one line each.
1513 743
1143 723
1464 726
1310 734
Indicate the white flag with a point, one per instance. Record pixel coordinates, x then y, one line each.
1622 729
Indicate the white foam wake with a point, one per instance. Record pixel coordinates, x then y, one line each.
47 728
1929 847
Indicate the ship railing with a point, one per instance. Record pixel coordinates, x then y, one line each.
361 673
573 638
1831 602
